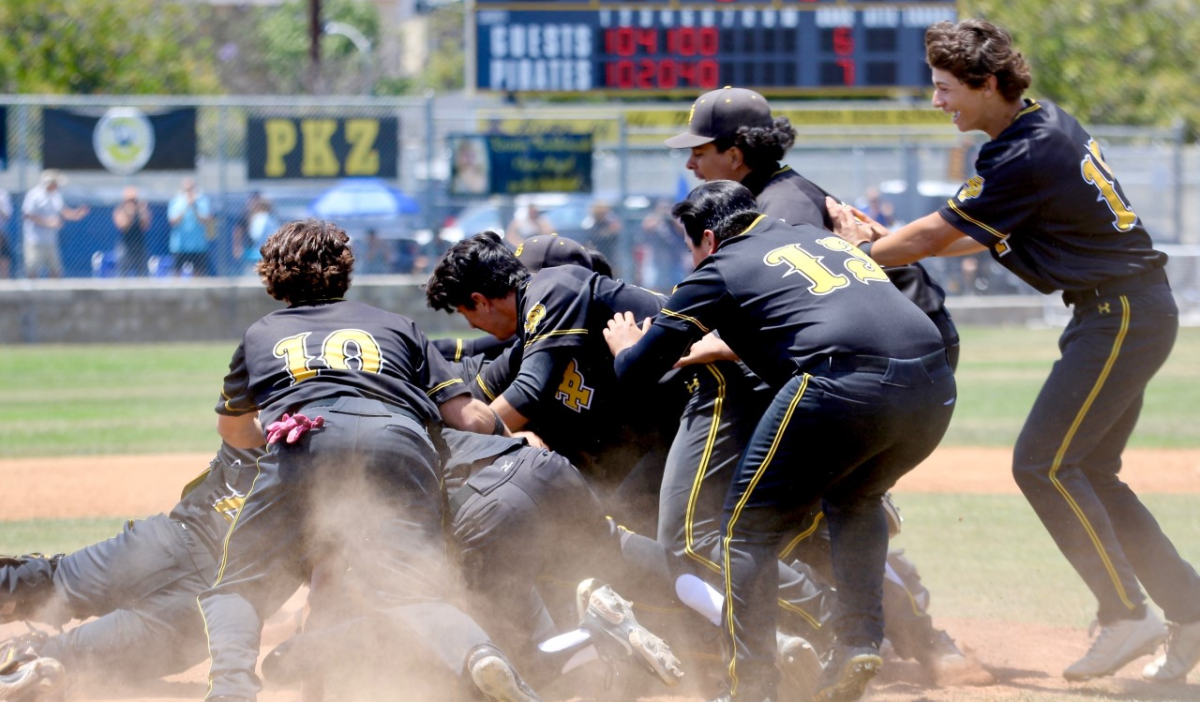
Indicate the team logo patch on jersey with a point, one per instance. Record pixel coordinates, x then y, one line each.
520 248
534 318
973 188
573 392
123 140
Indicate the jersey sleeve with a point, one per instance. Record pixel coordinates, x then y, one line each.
1003 194
445 382
686 316
533 381
236 398
553 316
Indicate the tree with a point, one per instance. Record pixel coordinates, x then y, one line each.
1108 61
283 38
104 46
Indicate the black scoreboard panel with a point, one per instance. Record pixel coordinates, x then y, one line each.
797 47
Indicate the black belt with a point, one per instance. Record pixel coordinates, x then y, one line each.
1132 283
393 409
872 364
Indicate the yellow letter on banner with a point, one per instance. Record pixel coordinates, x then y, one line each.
281 139
363 158
319 158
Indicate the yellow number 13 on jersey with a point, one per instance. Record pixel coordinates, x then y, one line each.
1097 172
823 281
344 349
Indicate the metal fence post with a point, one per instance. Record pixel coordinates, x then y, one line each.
625 243
1179 132
430 196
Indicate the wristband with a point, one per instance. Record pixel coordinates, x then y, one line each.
865 247
498 429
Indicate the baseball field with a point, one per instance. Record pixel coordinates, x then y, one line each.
93 435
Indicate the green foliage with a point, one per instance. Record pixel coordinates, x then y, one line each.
283 38
105 46
1108 61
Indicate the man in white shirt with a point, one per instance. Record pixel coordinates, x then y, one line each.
44 213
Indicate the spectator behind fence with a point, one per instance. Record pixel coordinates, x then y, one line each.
5 252
190 214
376 256
262 223
602 229
132 220
240 240
526 224
44 213
880 210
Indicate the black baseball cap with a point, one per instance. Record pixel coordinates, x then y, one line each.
547 251
719 114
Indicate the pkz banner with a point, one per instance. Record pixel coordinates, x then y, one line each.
121 140
322 147
539 163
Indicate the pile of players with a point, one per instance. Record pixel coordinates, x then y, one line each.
465 514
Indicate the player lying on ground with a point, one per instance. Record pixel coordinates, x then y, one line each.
141 586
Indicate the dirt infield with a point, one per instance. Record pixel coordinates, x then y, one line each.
1026 659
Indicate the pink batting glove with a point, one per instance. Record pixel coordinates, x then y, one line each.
292 427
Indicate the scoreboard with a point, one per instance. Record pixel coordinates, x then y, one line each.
779 47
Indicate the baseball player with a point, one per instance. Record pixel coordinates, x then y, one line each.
862 396
1048 207
563 384
350 393
518 516
140 586
732 135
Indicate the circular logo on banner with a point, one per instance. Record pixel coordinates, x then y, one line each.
123 140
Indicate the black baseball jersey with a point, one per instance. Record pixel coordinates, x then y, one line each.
785 194
1049 208
785 297
486 346
562 313
336 348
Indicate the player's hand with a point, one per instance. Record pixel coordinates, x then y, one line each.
532 439
291 427
852 224
708 349
623 331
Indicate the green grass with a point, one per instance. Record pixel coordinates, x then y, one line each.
1001 370
110 399
989 557
56 535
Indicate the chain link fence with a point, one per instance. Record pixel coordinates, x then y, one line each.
906 152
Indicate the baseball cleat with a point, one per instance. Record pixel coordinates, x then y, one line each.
1118 644
949 666
31 680
496 678
800 665
1182 654
846 676
615 630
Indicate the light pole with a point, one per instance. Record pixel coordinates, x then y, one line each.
361 42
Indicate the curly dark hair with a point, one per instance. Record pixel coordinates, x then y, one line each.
762 147
725 207
972 50
307 259
478 264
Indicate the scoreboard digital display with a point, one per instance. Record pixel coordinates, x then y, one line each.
783 47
